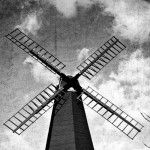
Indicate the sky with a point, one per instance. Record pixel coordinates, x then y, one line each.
82 26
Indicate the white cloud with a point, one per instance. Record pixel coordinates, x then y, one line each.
131 18
40 73
82 54
69 7
66 7
14 142
31 24
133 78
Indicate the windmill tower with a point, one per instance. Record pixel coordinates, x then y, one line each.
68 127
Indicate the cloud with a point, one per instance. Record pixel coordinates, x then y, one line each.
131 18
82 54
133 78
14 142
31 23
40 73
68 8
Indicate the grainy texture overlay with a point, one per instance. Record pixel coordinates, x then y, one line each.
71 30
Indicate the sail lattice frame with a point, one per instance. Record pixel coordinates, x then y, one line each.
33 110
111 112
100 58
31 47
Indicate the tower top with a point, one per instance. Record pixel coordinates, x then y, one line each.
68 82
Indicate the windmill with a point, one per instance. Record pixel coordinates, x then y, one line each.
68 127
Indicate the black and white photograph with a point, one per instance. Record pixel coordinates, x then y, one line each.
74 74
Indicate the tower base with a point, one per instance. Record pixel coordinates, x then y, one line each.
68 128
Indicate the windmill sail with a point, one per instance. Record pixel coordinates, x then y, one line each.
36 51
111 112
34 109
100 58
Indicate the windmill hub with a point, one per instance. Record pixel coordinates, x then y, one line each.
70 82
